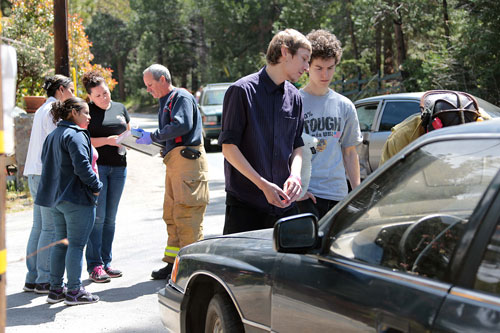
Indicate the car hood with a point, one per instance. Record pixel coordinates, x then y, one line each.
212 244
233 247
264 234
211 109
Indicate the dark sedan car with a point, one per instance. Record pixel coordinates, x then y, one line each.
414 248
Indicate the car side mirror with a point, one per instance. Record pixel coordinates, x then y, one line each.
296 234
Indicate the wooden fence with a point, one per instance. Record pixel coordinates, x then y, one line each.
376 85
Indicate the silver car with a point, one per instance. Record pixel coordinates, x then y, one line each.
378 114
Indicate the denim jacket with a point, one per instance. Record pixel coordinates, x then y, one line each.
67 168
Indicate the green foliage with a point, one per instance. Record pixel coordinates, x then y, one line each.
111 38
112 41
5 6
237 36
29 27
477 49
203 41
162 36
30 30
88 8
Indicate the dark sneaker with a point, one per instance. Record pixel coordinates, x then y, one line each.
56 295
29 287
99 275
163 273
42 288
113 273
81 296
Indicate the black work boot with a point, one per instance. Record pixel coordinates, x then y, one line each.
162 273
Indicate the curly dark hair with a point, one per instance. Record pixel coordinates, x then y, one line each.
325 45
62 110
91 80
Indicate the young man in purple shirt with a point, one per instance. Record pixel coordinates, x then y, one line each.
261 140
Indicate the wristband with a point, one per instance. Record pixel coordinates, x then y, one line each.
297 178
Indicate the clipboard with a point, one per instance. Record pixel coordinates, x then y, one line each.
127 139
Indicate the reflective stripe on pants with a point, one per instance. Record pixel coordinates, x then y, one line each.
171 251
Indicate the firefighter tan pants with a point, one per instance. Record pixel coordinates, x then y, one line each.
186 199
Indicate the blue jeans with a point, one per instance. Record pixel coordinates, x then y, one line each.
101 239
75 223
42 234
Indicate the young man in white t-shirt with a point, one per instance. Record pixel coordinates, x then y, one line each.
332 119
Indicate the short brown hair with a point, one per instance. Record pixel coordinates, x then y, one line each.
325 45
290 38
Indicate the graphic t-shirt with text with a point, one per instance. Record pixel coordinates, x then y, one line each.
333 120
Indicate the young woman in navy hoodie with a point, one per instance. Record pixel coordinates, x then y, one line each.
69 187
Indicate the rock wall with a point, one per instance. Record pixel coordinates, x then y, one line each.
22 132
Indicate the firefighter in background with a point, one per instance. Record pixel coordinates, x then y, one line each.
186 180
439 108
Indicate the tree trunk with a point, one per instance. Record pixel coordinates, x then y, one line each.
121 78
388 51
400 43
446 20
378 46
399 35
350 24
202 51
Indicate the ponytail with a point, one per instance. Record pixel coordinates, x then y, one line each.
62 110
52 83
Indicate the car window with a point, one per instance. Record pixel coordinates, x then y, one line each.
366 115
411 217
488 274
213 97
395 112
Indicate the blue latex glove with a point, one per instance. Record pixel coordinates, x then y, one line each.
137 132
145 138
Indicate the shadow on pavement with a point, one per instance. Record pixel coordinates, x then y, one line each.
21 298
18 315
24 316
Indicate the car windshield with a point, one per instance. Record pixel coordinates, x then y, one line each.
418 205
213 97
366 114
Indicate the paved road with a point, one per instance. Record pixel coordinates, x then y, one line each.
129 303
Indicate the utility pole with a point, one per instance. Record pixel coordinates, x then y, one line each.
61 49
